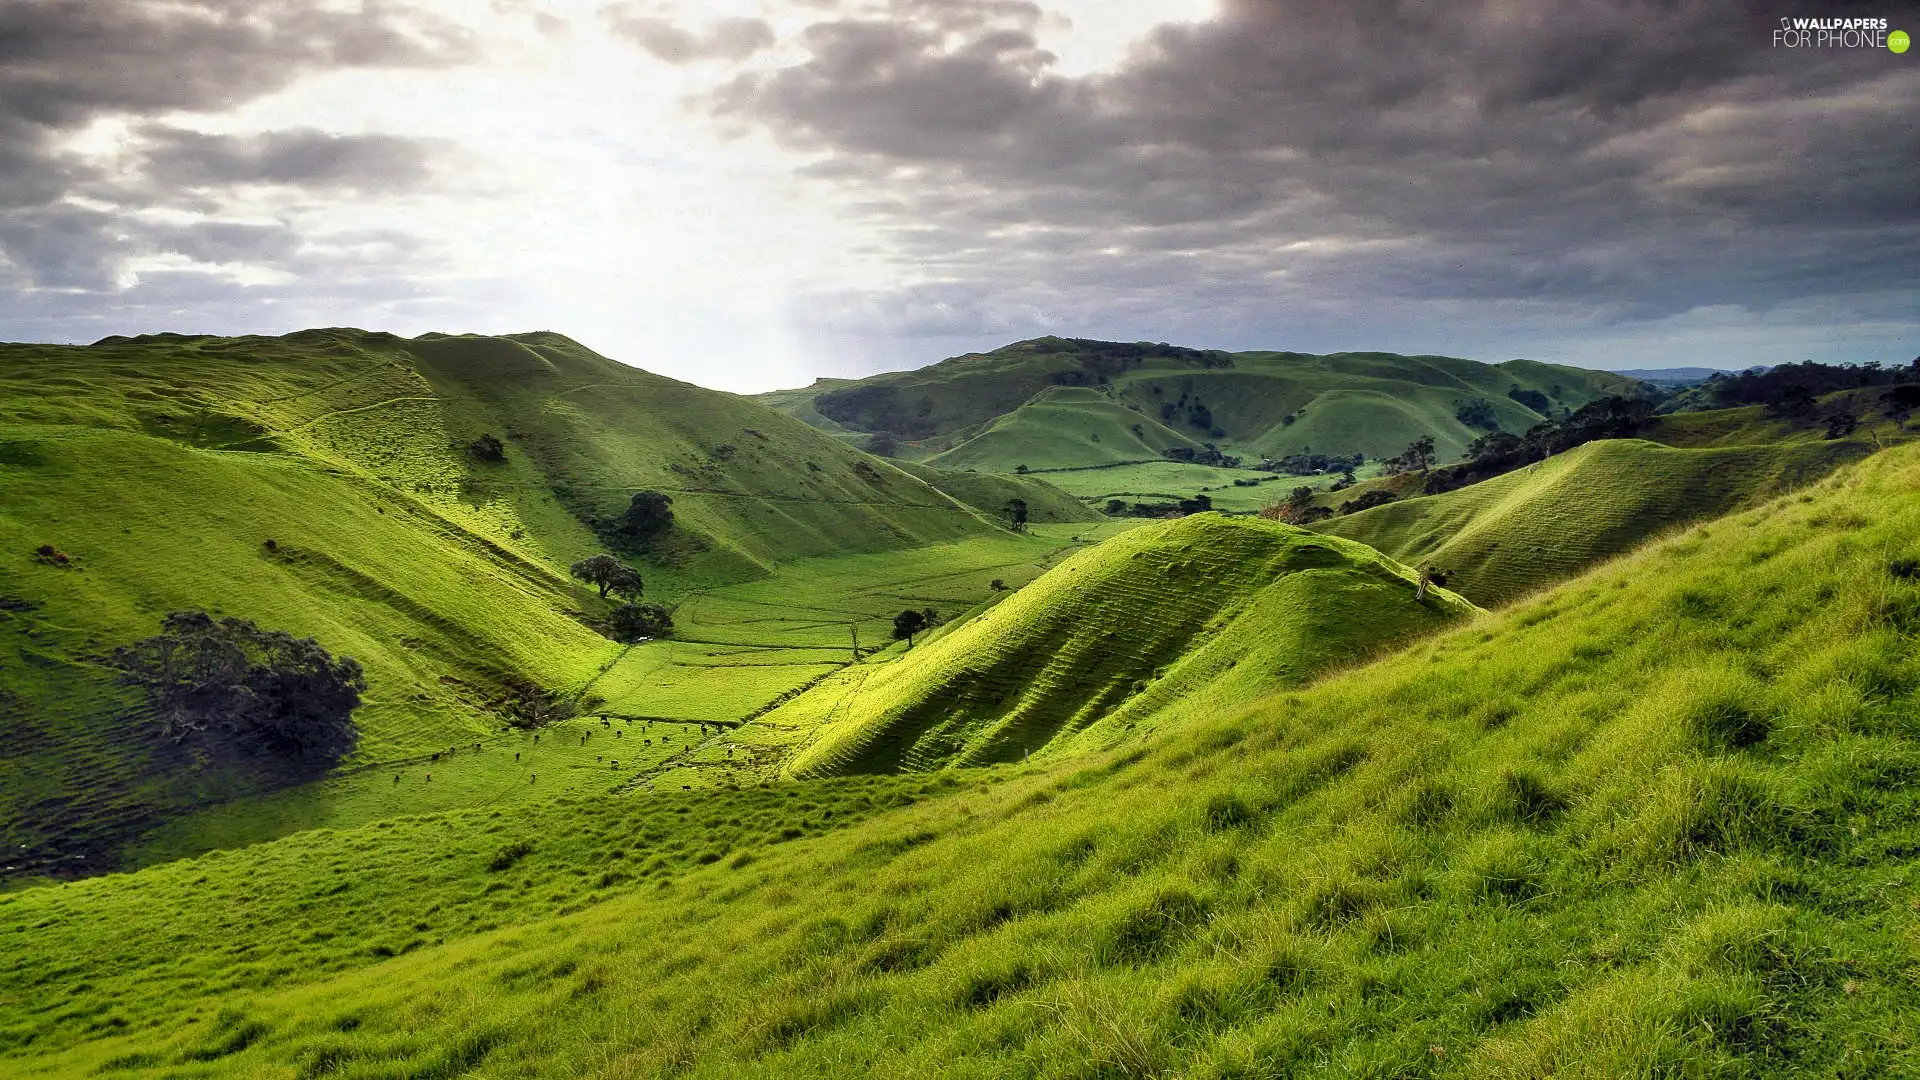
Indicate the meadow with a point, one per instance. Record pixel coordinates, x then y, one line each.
1657 820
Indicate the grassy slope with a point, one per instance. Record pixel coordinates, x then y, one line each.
992 491
1002 409
1517 532
1074 646
163 465
1657 821
1066 427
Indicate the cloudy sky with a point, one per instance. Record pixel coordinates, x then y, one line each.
751 193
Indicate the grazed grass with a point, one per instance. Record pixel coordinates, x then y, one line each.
1538 525
1656 821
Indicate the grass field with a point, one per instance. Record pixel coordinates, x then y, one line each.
319 483
1527 529
1656 821
1122 621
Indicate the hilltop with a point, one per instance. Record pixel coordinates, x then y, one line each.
324 483
1110 636
1060 402
1657 820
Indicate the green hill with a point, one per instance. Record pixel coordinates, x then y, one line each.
319 483
1056 402
1173 605
1542 524
1657 821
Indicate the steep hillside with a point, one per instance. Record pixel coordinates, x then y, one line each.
1179 602
1055 402
1507 536
1658 821
320 484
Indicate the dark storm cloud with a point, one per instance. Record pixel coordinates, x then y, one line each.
722 39
67 63
1630 160
301 158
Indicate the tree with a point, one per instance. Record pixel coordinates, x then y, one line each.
1116 507
487 448
1901 401
609 574
1477 413
883 443
649 513
631 622
1417 457
1016 511
908 623
1841 424
1532 399
231 687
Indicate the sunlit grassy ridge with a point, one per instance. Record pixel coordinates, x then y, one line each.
1267 602
1658 821
319 483
1541 524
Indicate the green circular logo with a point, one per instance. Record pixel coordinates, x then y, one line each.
1898 41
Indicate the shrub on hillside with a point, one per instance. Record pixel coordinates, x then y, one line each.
1532 399
649 513
231 687
1367 501
1477 413
631 622
487 448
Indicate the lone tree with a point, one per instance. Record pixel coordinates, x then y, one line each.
908 623
609 575
631 622
1417 457
649 513
229 687
1016 510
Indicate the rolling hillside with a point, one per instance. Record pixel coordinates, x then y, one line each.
1657 821
319 483
1539 525
1055 402
1154 613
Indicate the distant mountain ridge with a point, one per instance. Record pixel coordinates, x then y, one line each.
1055 402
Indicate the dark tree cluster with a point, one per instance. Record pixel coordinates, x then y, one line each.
632 622
911 622
1532 399
1210 455
649 513
229 687
1501 452
1477 413
1312 464
1297 509
487 447
1790 389
1199 504
1367 501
